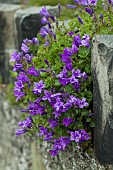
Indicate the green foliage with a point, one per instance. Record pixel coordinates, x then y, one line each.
49 2
91 24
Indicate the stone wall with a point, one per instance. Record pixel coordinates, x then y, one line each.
25 153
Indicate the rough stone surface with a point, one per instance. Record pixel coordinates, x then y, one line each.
72 159
7 37
28 23
16 153
102 70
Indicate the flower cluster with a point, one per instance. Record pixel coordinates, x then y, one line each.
46 31
26 125
25 56
54 94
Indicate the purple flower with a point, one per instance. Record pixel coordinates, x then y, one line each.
38 87
18 85
29 57
67 51
18 94
66 59
57 114
92 2
76 85
36 108
27 41
64 81
63 73
82 103
56 95
22 77
75 136
101 16
18 67
53 123
81 2
71 33
49 26
61 143
84 135
47 62
66 106
47 43
35 41
84 75
25 48
75 82
49 136
80 20
53 34
32 71
43 131
44 32
15 56
58 105
110 2
74 48
20 131
72 99
86 2
44 20
53 152
70 6
85 41
69 66
67 121
77 73
47 96
77 40
27 123
59 6
44 12
89 11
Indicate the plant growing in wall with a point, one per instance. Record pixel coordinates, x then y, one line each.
54 80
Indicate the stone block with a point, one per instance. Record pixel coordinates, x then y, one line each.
7 39
102 71
5 67
28 23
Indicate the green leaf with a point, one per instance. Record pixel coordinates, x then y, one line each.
57 83
92 124
88 120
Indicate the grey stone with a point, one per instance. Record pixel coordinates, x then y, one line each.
102 71
71 159
4 66
7 38
28 23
